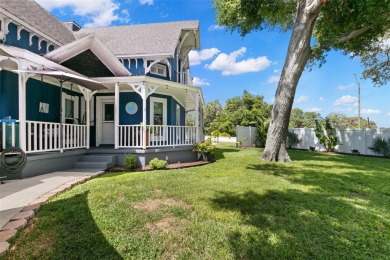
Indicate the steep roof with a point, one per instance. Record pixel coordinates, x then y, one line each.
36 17
149 39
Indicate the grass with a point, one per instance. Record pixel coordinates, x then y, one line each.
320 206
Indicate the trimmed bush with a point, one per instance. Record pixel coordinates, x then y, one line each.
157 164
130 161
380 146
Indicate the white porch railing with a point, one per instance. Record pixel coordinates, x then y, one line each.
45 136
74 136
9 134
131 136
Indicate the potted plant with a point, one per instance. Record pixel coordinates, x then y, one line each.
205 150
355 151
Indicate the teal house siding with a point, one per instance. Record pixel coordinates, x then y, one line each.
9 104
136 68
124 117
36 92
24 42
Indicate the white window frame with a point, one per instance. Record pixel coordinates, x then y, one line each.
75 108
165 114
154 70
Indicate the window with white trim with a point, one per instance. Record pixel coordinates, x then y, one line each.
159 69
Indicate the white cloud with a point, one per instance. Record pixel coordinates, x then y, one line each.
302 99
344 87
196 57
146 2
388 114
200 82
229 65
370 111
346 101
313 109
321 99
273 79
216 27
98 12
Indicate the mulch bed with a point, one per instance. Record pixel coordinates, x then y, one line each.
170 166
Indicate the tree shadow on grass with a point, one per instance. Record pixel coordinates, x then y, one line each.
345 182
64 229
296 224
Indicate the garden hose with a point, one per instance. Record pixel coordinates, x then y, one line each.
13 160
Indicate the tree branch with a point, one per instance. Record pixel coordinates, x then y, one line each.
316 5
348 36
353 34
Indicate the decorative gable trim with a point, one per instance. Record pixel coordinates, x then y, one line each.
93 43
18 22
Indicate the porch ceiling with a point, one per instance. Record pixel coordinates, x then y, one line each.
181 92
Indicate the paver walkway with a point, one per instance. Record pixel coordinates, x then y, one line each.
27 194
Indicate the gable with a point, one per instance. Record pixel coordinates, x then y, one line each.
87 55
88 64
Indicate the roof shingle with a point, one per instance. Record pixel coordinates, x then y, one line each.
37 17
150 39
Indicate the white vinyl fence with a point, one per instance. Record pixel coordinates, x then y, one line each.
348 139
248 133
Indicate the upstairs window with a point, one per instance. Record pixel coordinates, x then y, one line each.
159 69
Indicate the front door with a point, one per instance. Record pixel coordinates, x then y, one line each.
108 133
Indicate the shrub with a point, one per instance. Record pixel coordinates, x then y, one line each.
157 164
204 147
224 134
216 134
380 146
130 161
292 139
326 135
262 131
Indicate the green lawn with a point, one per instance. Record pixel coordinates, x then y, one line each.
320 206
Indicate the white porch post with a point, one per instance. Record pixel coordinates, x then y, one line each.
88 94
116 116
197 116
144 92
22 110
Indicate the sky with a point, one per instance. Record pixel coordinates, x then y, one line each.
227 63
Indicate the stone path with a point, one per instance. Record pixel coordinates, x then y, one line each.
21 199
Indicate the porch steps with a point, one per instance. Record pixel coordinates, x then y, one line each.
96 162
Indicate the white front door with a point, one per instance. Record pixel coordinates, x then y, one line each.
108 133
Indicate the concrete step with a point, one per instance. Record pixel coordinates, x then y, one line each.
98 162
94 165
98 158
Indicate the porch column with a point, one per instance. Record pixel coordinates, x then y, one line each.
116 116
197 116
88 94
22 110
144 92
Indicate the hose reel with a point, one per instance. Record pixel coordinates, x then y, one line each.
13 160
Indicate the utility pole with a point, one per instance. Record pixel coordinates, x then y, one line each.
358 83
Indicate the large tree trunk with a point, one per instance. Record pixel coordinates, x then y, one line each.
297 56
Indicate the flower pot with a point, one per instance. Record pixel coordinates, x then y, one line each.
206 157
